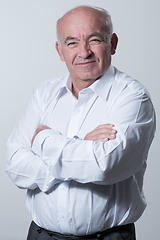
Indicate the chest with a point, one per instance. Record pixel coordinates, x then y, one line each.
71 116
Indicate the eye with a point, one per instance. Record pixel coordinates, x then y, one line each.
95 41
72 44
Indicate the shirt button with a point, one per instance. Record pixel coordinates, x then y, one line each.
77 111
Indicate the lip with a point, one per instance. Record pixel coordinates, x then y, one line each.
85 63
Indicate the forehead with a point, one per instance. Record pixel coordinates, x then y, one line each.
80 23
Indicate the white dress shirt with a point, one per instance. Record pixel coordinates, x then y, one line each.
76 186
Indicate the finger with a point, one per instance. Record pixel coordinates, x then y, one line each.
104 132
108 125
43 127
104 136
112 136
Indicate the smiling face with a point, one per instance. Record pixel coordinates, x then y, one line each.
84 47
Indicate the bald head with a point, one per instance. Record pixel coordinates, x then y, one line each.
101 15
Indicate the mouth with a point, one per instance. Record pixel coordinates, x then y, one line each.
85 63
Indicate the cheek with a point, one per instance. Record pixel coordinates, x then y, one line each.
105 55
101 53
69 57
104 59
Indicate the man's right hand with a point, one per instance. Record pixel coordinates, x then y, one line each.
102 133
40 128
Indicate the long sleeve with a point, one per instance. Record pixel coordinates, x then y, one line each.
71 181
55 157
103 163
26 169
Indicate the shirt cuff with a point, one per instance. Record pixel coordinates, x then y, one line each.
40 138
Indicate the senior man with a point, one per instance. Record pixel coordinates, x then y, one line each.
81 145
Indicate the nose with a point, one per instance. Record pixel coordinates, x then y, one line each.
84 51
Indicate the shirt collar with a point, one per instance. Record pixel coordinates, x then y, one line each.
101 86
65 84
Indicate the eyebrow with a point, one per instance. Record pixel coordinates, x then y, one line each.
94 34
69 38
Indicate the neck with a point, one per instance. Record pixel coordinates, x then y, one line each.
76 88
78 85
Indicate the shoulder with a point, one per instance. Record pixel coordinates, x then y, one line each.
51 85
49 88
126 83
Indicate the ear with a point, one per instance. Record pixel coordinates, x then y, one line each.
59 50
114 42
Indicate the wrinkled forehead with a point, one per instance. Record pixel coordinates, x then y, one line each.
80 20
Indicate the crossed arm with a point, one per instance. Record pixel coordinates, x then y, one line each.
102 133
55 158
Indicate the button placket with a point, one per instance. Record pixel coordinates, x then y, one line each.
73 127
62 206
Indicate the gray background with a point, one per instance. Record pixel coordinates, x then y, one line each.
28 57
